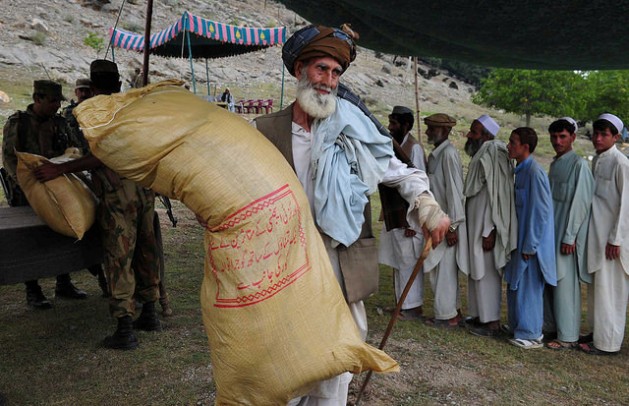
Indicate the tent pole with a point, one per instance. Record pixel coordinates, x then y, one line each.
147 42
207 77
419 128
282 92
194 83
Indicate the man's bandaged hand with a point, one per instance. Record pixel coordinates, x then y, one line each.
432 218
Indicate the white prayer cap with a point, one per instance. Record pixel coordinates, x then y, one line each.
612 119
571 121
489 124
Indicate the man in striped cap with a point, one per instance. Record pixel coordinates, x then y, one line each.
340 155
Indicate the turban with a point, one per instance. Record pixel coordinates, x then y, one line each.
316 42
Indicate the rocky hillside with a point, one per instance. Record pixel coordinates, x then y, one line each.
46 38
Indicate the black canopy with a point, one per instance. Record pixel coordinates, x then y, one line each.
534 34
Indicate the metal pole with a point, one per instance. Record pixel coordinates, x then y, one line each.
207 77
147 42
194 82
282 93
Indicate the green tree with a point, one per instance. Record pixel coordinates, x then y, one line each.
607 92
528 92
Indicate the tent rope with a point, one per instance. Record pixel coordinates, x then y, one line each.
114 30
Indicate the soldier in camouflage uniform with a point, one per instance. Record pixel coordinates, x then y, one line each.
82 91
38 130
125 215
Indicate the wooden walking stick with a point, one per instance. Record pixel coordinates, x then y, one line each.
396 312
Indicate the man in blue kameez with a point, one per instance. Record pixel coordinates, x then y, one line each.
532 265
572 186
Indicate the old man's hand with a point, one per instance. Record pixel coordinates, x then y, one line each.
439 232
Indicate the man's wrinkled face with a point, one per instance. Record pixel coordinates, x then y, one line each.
562 141
603 140
317 86
436 135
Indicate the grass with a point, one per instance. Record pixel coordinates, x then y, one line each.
454 367
53 357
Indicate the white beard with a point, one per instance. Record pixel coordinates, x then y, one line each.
312 102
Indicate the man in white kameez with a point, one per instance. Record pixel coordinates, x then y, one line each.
607 246
401 247
339 156
444 263
572 186
491 223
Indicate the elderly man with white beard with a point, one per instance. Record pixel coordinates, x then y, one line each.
340 155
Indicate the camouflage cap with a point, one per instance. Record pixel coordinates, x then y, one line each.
440 120
48 88
83 83
103 66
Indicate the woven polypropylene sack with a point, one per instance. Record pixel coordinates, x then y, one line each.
274 313
65 203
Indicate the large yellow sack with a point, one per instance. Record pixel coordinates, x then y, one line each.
274 313
65 203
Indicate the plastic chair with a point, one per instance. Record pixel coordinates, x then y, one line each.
248 106
259 106
268 106
238 107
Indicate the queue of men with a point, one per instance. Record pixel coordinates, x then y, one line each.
531 229
500 222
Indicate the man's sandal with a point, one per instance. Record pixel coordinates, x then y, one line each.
452 323
526 344
559 345
590 349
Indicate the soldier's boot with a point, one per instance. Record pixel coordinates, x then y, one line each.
123 338
35 297
66 289
148 320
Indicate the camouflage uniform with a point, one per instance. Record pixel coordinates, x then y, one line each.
26 132
73 129
125 216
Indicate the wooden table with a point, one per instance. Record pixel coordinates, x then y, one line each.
29 249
